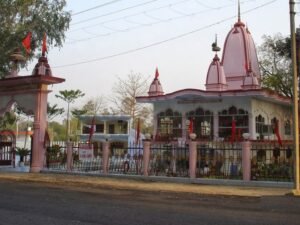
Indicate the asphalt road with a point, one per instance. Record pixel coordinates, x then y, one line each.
24 203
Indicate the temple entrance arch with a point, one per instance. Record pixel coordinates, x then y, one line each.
30 93
7 148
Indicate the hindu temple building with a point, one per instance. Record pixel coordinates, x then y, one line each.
232 104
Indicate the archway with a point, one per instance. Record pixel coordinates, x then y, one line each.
31 93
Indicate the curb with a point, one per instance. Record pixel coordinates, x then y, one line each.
147 184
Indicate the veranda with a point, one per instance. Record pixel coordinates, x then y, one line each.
247 160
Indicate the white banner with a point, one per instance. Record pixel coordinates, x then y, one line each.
85 151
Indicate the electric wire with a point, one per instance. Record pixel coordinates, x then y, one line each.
95 7
113 12
159 21
124 17
163 41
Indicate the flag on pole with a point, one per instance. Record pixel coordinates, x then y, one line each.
276 130
44 46
27 42
233 130
137 137
92 130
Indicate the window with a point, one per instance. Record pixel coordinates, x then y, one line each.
111 129
169 124
99 128
226 118
202 122
260 126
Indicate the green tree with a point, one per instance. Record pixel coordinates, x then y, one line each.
7 121
275 63
76 113
17 18
57 131
69 96
53 111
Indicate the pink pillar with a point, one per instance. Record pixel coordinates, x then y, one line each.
192 158
69 156
105 156
39 127
35 162
146 157
246 160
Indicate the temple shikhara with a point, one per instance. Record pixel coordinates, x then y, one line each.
232 104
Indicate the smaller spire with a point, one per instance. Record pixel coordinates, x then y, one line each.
215 46
239 11
156 73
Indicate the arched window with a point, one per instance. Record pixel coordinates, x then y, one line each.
202 123
226 118
169 124
260 126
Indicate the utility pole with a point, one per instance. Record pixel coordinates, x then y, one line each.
296 190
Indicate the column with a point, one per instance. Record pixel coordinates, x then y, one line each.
216 125
69 156
146 157
183 122
39 127
105 157
154 126
35 155
252 129
246 160
192 158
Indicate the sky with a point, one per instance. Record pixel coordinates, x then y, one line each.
111 38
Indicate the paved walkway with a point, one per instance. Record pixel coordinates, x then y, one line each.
133 183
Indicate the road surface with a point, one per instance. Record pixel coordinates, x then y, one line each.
27 203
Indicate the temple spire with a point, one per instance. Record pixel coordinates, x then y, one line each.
215 46
239 11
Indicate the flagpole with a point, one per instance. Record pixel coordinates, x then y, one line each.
296 190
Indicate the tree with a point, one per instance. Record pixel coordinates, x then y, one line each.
95 105
17 18
69 97
275 63
125 93
8 120
76 113
56 131
53 111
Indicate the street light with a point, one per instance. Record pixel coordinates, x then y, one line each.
296 190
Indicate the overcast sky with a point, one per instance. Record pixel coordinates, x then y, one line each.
113 37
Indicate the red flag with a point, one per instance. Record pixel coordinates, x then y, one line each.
92 131
191 126
27 43
156 73
137 138
44 46
233 130
276 130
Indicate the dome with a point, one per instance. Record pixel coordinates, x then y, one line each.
42 67
250 81
215 79
155 87
239 52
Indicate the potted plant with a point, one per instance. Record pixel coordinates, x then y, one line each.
22 152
